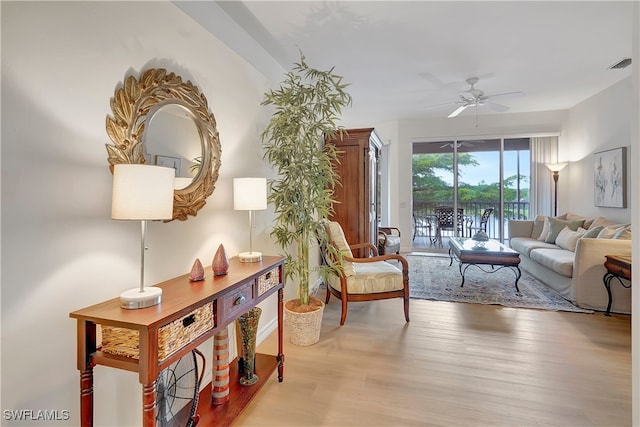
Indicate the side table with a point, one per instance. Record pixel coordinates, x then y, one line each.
618 267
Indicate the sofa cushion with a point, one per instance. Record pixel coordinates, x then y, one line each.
525 245
623 233
568 238
609 231
545 229
538 224
600 221
591 233
558 260
556 226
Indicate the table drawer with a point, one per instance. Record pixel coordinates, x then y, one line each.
268 280
171 337
237 301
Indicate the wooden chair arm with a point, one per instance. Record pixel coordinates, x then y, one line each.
399 258
367 245
389 230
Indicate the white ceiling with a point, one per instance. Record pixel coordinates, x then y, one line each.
401 57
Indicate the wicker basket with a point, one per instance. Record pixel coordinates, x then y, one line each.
304 328
171 337
268 280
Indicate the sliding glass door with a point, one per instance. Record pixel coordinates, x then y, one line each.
485 181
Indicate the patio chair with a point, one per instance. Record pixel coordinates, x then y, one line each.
364 279
482 226
445 222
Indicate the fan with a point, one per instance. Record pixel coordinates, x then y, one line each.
177 390
459 144
474 97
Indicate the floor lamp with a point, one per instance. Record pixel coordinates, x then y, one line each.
250 194
142 193
555 168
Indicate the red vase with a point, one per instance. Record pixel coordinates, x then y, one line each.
220 264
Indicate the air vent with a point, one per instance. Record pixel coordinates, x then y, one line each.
622 64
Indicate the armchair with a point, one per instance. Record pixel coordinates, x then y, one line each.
388 240
364 279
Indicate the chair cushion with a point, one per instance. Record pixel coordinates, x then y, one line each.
390 240
371 277
334 230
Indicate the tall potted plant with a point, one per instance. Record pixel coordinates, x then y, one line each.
308 104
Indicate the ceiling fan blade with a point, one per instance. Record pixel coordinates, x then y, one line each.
519 92
459 110
442 105
496 107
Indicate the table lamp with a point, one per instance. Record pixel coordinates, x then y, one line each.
250 194
142 193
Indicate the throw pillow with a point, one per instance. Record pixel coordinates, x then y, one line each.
608 232
591 233
545 229
538 223
572 217
556 225
567 238
600 221
623 233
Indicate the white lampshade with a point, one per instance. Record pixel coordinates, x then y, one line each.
249 194
142 192
556 167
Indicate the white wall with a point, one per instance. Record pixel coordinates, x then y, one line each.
599 123
61 63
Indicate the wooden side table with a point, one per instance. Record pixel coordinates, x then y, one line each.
227 297
618 267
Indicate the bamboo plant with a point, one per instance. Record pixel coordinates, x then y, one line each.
307 104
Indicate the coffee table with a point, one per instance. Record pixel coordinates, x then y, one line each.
469 252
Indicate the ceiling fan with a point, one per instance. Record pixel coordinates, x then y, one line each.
474 97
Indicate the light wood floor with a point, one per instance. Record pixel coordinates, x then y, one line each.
454 365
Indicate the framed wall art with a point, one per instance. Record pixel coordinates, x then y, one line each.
610 178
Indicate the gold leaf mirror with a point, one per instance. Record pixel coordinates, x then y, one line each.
160 119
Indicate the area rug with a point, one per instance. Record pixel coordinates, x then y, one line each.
431 277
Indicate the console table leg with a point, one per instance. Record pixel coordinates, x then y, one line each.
86 397
149 404
280 356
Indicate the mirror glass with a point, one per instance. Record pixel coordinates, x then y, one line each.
172 140
161 119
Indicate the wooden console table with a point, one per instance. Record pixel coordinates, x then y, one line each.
618 267
230 296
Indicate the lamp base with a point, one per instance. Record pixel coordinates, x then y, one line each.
133 299
250 256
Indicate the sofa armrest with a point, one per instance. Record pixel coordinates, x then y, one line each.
520 228
589 270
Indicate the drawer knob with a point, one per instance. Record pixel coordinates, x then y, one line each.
239 300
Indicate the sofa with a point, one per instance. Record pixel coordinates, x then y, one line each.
567 253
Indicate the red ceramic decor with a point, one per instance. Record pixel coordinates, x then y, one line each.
220 263
197 271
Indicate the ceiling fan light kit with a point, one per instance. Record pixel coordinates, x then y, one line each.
474 97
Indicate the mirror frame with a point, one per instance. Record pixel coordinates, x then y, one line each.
133 106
